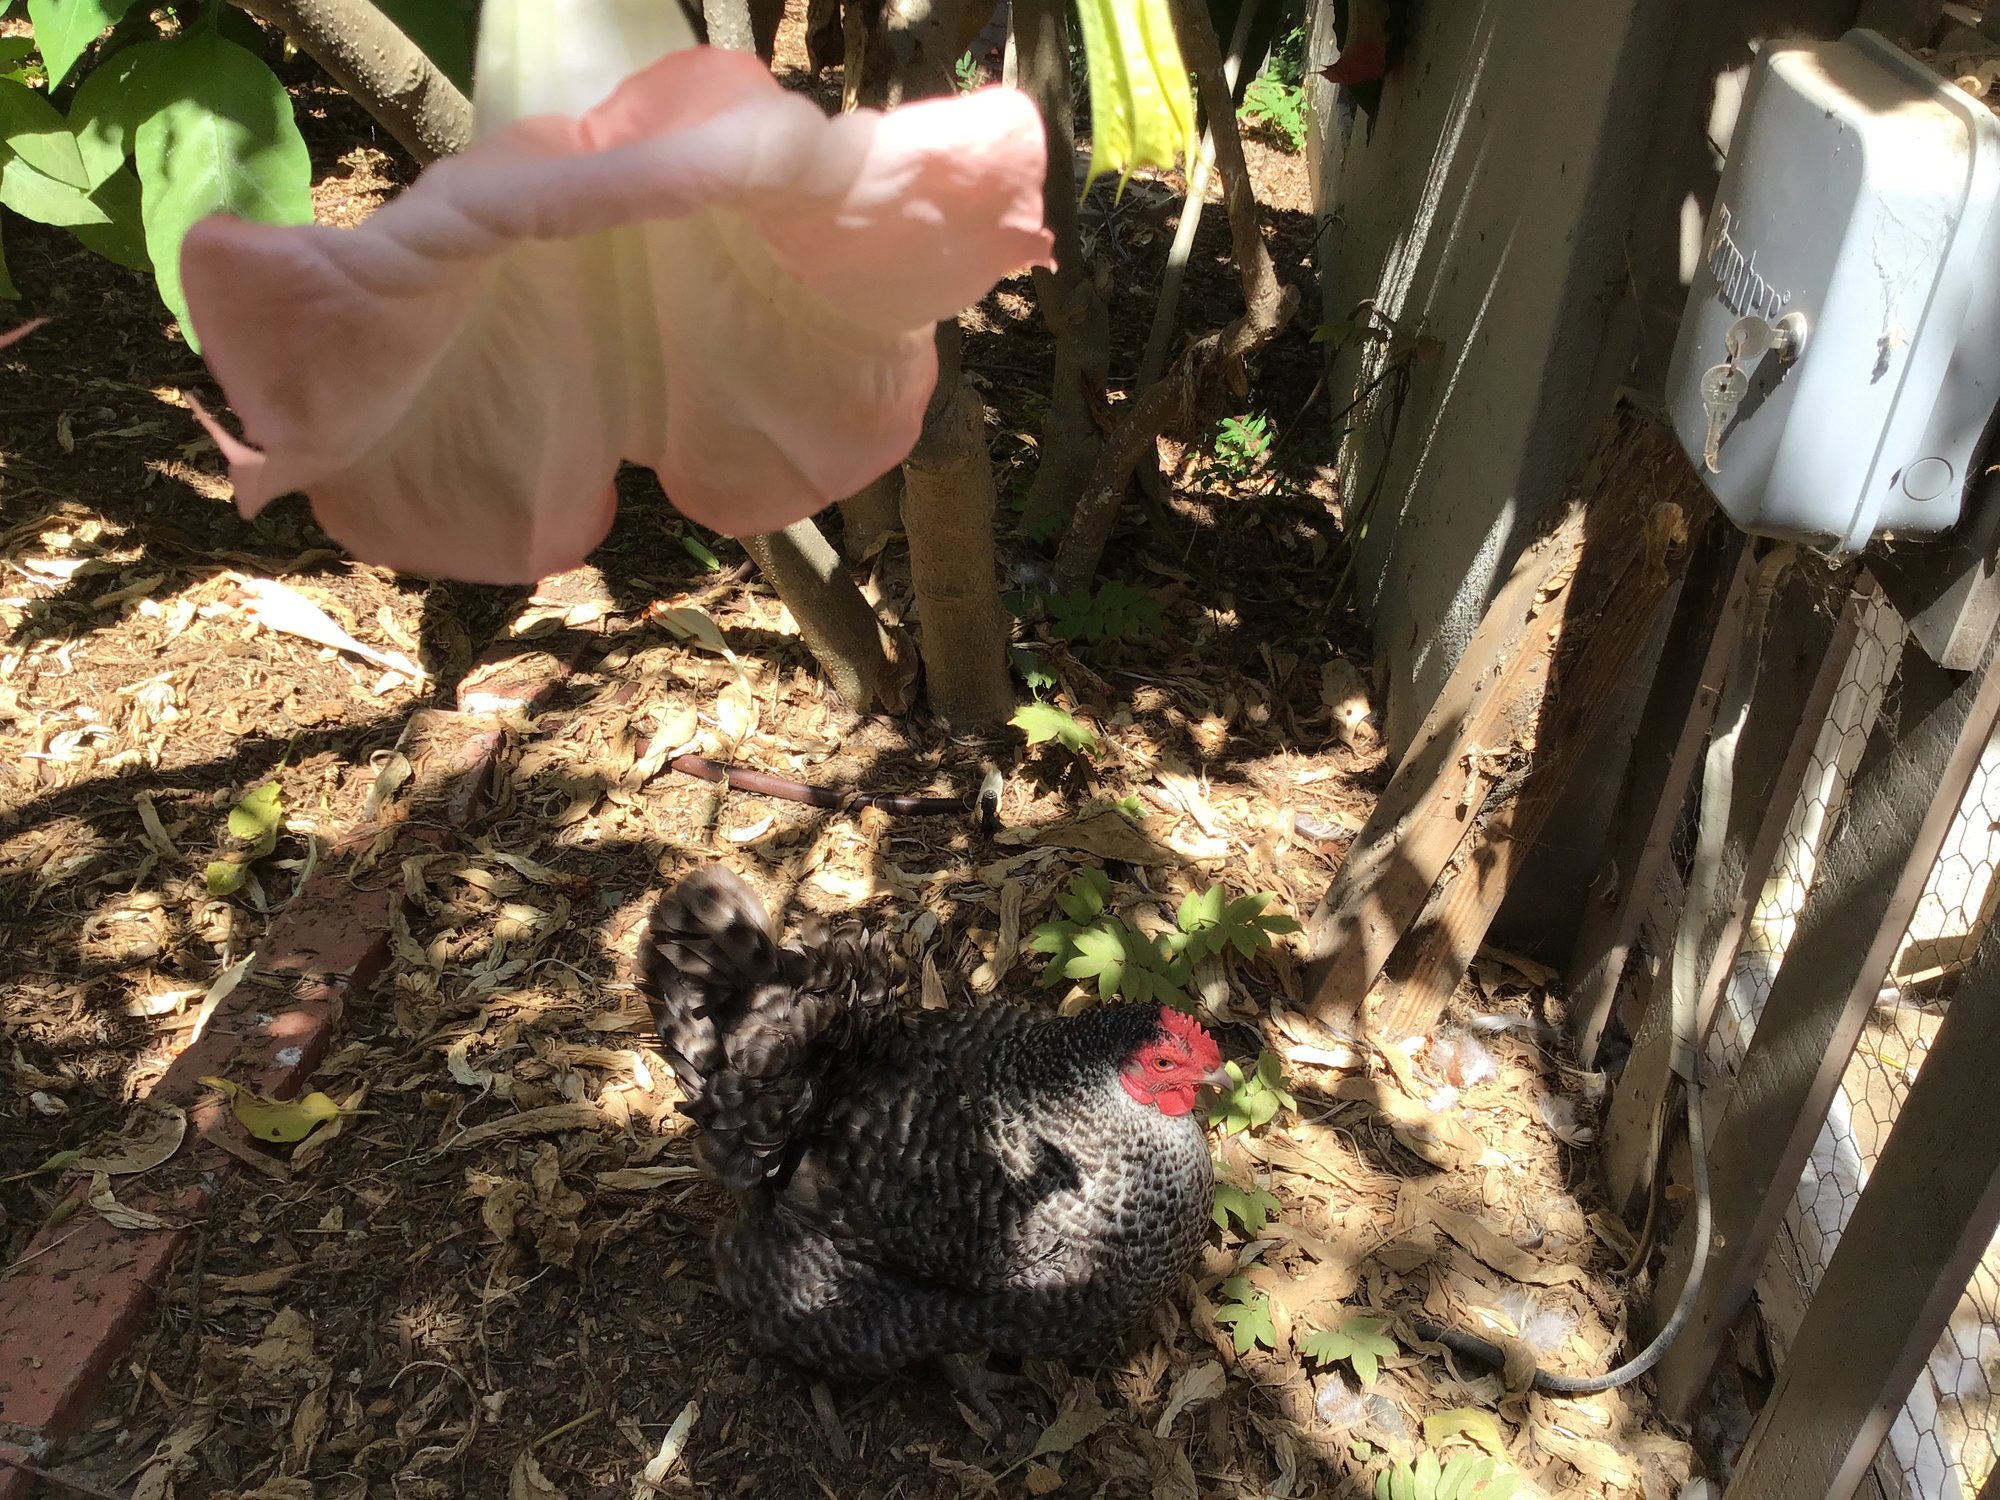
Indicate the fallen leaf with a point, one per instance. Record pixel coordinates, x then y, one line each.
153 1134
278 607
671 1446
641 1179
689 623
1071 1428
528 1482
276 1119
1108 835
1202 1383
1492 1247
116 1213
1470 1423
544 1121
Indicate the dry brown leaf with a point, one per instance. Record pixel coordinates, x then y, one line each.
544 1121
1493 1248
643 1179
1108 835
528 1482
115 1213
153 1134
1190 1388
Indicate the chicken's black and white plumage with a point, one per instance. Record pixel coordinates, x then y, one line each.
920 1182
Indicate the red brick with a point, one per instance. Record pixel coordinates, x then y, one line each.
15 1484
68 1308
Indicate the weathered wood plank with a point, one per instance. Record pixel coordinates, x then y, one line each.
1426 810
1665 752
1866 887
1596 653
1928 1213
1787 709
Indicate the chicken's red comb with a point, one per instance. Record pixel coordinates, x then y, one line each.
1191 1031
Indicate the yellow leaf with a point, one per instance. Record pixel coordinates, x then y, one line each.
1466 1422
276 1119
1141 106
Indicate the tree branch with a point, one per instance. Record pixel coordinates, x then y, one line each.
839 627
387 74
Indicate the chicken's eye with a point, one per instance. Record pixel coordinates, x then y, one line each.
1163 1063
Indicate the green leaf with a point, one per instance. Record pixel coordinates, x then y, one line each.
1033 672
701 554
35 131
260 812
439 27
36 195
1116 612
16 58
1086 896
8 290
1042 722
226 144
123 237
121 94
1253 1099
1247 1315
1251 1207
1360 1341
64 29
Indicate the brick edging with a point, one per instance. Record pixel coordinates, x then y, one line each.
73 1301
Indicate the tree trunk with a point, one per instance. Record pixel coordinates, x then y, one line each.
872 514
1076 315
949 500
857 654
1214 363
385 72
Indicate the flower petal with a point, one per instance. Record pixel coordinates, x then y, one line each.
704 273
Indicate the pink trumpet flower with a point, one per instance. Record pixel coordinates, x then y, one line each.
701 272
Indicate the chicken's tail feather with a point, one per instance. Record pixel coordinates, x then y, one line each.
754 1030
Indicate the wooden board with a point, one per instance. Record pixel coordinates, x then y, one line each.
1928 1213
1665 753
1642 502
1773 755
1426 810
1866 887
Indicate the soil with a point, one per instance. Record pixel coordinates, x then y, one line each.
448 1294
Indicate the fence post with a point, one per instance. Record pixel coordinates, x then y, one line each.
1863 893
1925 1218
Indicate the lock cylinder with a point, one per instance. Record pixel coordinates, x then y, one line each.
1839 358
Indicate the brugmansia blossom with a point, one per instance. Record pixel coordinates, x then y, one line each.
1141 103
652 252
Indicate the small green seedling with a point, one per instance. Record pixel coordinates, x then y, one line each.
1115 612
1043 722
1242 444
1467 1476
1253 1099
1250 1207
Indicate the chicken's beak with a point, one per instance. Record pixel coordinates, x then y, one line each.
1218 1078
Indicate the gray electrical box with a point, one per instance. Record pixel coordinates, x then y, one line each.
1839 361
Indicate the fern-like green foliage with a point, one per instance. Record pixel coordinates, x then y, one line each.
1211 923
1043 722
1246 1313
1253 1098
1278 106
1241 444
1250 1207
1091 942
1115 612
1467 1476
1360 1341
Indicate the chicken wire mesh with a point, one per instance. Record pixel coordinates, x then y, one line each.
1946 1440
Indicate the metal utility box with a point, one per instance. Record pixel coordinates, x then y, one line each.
1851 262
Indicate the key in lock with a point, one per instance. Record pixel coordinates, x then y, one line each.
1723 388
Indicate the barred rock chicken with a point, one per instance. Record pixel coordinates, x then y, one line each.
913 1183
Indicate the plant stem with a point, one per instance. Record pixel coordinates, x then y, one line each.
836 623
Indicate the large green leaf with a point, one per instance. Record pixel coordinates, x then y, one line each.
64 28
33 130
439 27
227 143
8 291
120 95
